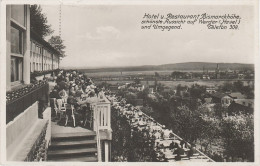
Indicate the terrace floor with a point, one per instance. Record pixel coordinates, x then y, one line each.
61 129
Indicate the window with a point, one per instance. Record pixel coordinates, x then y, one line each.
16 41
17 29
16 69
18 14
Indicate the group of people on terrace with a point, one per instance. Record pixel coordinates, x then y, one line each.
72 98
74 95
167 145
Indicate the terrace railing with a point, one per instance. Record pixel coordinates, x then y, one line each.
19 105
102 112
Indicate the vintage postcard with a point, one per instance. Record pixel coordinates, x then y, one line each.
129 81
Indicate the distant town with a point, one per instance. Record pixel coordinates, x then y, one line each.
203 73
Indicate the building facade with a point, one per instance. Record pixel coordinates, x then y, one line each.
26 51
27 120
43 56
17 45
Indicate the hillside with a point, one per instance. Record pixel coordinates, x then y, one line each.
189 66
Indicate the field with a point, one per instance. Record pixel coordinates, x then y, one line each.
170 84
130 73
173 84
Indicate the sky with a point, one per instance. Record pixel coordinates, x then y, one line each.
111 36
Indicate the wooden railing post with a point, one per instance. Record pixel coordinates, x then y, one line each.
102 121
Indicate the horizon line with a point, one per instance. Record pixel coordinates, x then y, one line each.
100 67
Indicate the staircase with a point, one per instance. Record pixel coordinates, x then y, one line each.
80 147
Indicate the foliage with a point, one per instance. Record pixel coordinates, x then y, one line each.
137 81
210 130
159 87
219 111
130 97
238 87
104 85
177 74
238 136
194 122
180 88
186 123
57 43
38 21
18 93
196 91
121 136
128 144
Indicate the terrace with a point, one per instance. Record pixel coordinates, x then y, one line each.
27 108
86 142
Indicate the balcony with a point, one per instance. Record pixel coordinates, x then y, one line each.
80 143
19 100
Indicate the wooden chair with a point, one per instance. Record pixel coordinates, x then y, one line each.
61 107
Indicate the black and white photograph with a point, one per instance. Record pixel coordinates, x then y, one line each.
107 81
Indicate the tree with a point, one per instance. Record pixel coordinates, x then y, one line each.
131 97
238 136
209 131
196 91
219 111
57 43
186 123
226 87
238 86
121 142
38 21
177 74
137 81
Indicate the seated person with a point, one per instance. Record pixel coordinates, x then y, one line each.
63 94
96 91
161 156
192 150
183 144
179 151
161 146
172 144
54 94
